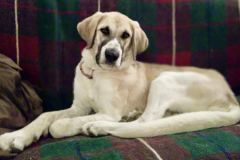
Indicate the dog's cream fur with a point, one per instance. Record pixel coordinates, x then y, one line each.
125 87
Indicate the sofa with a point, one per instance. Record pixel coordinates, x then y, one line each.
207 36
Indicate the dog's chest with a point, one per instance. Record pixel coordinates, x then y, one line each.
94 93
124 92
86 92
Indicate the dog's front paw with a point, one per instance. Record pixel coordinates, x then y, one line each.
96 128
65 128
15 141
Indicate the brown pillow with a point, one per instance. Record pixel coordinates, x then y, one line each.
19 103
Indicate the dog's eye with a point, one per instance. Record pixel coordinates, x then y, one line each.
105 31
125 35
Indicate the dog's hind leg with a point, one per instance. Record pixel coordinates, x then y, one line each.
162 93
17 140
179 92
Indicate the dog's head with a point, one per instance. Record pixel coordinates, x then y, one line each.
113 38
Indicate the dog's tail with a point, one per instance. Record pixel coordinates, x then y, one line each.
179 123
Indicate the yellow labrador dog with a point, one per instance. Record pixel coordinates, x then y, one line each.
110 82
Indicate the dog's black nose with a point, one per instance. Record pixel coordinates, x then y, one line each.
111 55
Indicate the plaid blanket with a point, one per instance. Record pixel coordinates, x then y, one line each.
216 143
220 143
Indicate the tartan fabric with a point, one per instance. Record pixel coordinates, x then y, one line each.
216 143
207 35
220 143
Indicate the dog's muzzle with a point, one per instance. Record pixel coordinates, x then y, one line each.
111 55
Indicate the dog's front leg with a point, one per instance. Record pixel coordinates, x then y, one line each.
17 140
73 126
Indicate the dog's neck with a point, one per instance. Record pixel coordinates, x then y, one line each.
88 64
89 76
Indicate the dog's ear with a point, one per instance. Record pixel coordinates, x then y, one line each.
140 40
87 28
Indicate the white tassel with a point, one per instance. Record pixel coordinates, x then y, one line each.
16 24
173 33
99 5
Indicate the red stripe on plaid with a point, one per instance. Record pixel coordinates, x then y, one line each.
164 58
233 54
44 10
8 45
233 76
82 45
29 48
182 58
30 72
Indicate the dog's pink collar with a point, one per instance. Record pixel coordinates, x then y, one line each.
87 75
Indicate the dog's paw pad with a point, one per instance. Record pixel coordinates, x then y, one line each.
6 141
45 133
35 138
15 141
18 144
85 129
15 149
91 134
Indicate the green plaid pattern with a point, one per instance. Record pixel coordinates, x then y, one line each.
220 143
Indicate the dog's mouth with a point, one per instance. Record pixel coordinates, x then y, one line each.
110 54
106 64
112 65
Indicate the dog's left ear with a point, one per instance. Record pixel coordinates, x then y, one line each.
140 39
87 28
